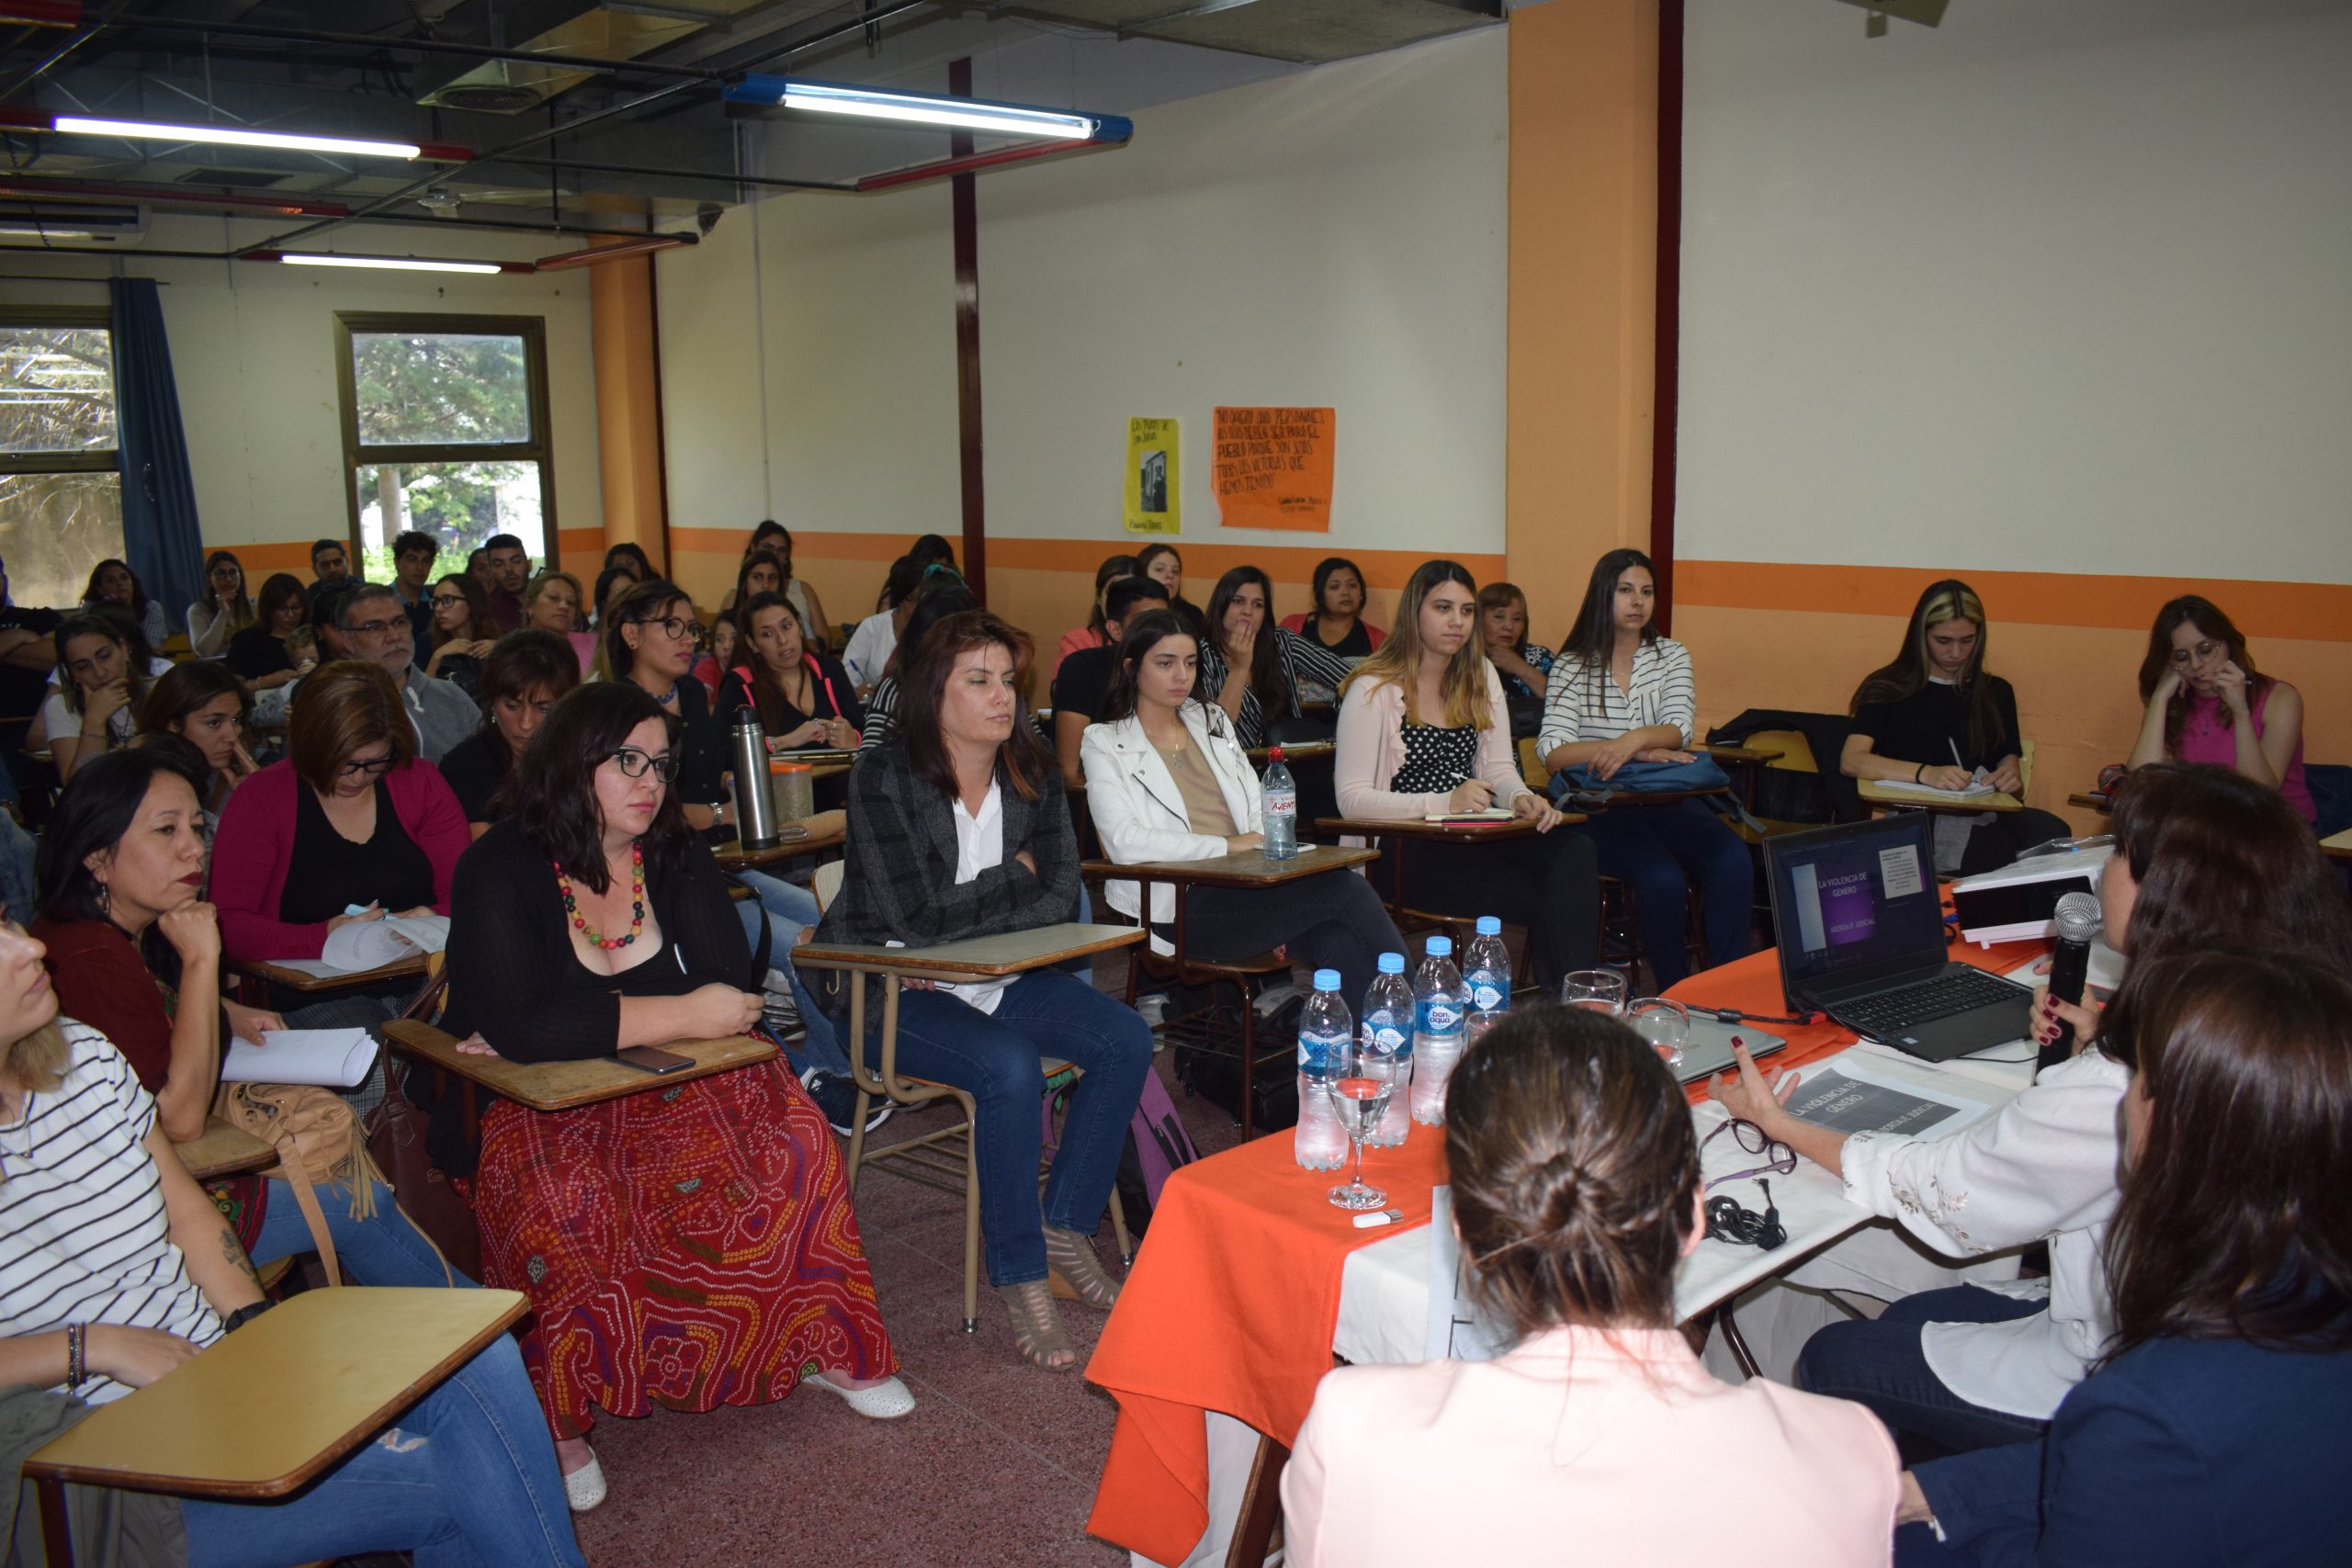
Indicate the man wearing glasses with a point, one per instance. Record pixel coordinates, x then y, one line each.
413 554
374 625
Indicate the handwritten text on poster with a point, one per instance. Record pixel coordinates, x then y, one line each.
1274 467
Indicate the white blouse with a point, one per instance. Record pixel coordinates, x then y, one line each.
2042 1169
1583 702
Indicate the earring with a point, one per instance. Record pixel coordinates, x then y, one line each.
106 899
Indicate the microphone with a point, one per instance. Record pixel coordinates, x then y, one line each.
2079 919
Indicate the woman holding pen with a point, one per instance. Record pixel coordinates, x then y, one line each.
1937 716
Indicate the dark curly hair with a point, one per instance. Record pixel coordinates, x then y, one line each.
551 792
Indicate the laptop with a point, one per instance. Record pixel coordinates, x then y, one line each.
1708 1052
1861 938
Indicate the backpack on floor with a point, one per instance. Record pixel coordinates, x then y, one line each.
1157 1146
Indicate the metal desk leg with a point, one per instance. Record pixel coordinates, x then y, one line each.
1261 1505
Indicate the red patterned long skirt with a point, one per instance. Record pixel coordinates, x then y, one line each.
693 1246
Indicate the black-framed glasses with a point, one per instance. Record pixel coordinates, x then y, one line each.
1726 1221
374 628
443 600
370 767
673 627
634 762
1779 1158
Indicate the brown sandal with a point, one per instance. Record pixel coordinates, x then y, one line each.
1037 1326
1078 1270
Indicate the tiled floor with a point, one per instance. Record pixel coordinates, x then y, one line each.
996 1466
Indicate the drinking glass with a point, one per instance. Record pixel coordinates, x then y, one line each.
1665 1024
1595 990
1363 1081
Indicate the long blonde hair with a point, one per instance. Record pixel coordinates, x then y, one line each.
37 1063
1400 659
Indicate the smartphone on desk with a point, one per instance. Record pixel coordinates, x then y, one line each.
647 1059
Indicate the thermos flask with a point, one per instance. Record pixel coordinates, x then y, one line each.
755 807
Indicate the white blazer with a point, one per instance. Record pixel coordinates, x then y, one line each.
1140 813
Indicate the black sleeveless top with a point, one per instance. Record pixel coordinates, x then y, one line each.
332 871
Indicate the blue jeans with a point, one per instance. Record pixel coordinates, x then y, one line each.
998 1060
464 1478
1653 849
1878 1363
386 1250
789 908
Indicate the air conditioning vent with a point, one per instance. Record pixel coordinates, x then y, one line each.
230 179
483 97
73 223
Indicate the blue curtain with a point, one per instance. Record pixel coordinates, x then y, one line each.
160 534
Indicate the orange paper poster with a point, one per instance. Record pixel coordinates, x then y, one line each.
1274 467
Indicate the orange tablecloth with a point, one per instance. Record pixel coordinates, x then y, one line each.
1229 1307
1233 1297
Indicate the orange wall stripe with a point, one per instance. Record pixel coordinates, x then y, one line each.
279 555
2317 611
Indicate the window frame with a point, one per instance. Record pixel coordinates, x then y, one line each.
539 449
105 461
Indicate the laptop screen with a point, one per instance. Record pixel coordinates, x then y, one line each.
1856 903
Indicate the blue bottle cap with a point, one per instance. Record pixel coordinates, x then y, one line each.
1327 979
1441 947
1392 963
1489 925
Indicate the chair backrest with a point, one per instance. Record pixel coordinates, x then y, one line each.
1300 730
827 883
1531 764
1795 750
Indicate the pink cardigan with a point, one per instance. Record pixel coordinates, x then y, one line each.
253 848
1573 1448
1372 748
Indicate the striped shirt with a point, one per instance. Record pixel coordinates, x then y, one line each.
1583 701
83 1235
881 714
1304 665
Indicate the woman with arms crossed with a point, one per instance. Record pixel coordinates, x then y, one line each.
1576 1189
1620 693
1937 716
2206 702
1422 730
1167 781
2200 857
691 1247
959 828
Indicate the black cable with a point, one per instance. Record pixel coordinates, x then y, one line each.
1726 1221
1733 1015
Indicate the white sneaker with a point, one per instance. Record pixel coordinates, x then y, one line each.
885 1401
584 1487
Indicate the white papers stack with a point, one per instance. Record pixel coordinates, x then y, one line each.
1491 814
1976 790
332 1059
362 945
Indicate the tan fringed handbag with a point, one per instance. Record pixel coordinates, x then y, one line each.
317 1140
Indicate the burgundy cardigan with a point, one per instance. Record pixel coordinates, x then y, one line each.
253 848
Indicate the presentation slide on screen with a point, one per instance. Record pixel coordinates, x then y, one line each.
1841 898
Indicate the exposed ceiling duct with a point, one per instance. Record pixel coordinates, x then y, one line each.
1307 33
577 29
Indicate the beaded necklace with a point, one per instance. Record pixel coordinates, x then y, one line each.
637 903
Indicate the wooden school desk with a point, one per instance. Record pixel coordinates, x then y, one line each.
562 1086
793 842
222 1425
410 968
1371 829
223 1150
1879 799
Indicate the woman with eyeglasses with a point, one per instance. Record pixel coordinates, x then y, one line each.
524 675
464 631
2213 1430
690 1248
352 825
2206 702
959 828
2202 856
224 611
203 703
1575 1170
258 653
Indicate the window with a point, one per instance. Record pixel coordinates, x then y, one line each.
445 429
61 473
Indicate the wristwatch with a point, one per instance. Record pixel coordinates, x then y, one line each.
244 1315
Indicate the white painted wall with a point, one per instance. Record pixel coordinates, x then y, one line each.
1335 237
254 350
2064 287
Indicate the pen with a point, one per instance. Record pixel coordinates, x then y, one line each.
1955 754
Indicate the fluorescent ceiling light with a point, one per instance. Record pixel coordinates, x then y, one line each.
921 109
30 231
232 136
393 263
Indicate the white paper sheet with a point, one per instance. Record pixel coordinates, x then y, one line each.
332 1059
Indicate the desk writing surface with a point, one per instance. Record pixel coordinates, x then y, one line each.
1441 833
264 1410
223 1150
1251 868
1294 751
794 841
1996 801
979 957
410 968
2338 845
1742 756
563 1086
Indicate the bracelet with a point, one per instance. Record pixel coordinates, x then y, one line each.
1919 773
246 1315
76 1356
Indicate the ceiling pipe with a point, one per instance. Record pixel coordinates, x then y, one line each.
37 189
973 162
595 64
41 13
644 245
701 175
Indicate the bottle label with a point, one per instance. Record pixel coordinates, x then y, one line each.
1314 1053
1281 802
1485 997
1386 1036
1440 1018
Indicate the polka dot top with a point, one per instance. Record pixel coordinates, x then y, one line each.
1436 759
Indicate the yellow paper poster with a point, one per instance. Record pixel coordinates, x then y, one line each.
1151 505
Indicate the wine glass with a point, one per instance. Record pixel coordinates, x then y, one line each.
1665 1024
1363 1074
1595 990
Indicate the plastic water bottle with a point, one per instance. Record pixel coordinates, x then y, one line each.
1282 808
1324 1029
1388 1020
1486 977
1437 1030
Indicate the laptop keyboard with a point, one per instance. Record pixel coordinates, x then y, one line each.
1895 1011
